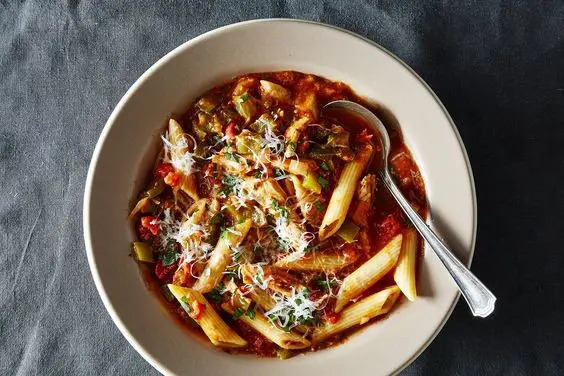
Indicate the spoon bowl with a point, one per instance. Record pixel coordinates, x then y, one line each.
479 298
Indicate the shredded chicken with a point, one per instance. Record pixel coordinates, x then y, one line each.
365 195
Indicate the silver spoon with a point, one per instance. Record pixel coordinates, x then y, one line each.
480 300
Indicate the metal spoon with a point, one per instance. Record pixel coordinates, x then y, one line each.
480 300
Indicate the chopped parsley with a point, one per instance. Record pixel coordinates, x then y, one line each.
250 314
185 304
276 206
323 284
279 172
323 182
292 146
245 97
215 294
319 206
237 313
258 175
325 166
229 182
232 156
216 219
218 140
169 258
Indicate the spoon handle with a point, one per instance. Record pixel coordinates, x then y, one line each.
478 297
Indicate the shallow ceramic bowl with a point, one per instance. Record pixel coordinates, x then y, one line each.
126 148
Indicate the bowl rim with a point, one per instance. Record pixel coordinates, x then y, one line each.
160 367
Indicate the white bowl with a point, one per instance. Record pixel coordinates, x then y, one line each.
124 152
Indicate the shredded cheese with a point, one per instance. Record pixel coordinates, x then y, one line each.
292 310
178 155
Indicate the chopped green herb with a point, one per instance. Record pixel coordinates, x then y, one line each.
324 183
169 258
216 219
232 156
237 313
324 166
245 97
250 313
215 294
258 174
292 146
306 292
218 140
185 304
322 283
278 172
284 212
229 182
275 204
319 206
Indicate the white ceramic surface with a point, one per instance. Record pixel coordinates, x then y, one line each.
268 45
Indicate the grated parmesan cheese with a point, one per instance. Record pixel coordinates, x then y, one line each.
178 155
293 310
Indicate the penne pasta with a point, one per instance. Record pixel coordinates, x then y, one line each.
359 313
267 210
317 262
369 273
221 256
404 275
286 340
343 193
292 135
175 135
200 310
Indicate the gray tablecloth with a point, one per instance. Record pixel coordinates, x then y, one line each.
498 67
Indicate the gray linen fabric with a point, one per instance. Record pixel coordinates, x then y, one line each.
498 67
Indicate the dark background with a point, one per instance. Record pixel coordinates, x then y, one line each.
497 66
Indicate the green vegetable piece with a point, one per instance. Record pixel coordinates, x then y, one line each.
319 206
216 219
323 182
142 252
250 313
237 313
244 106
185 304
325 166
207 104
169 258
167 294
348 231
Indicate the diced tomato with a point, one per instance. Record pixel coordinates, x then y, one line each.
350 252
144 233
163 169
303 147
332 317
164 273
389 227
172 179
231 131
197 309
151 223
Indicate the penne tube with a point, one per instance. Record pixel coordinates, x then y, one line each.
343 193
302 168
221 256
317 262
287 340
359 313
293 133
187 183
404 275
369 273
200 310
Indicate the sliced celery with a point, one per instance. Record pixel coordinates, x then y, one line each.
244 105
142 252
311 183
348 231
